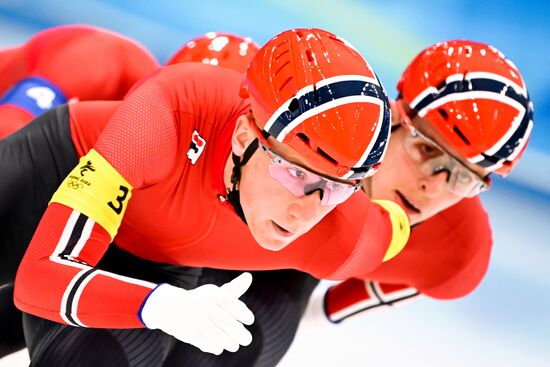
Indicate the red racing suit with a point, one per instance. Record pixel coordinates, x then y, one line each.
67 63
446 257
169 140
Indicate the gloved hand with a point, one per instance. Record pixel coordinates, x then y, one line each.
208 317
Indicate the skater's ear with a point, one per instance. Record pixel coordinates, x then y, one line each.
243 134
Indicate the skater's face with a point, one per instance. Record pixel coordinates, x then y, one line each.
275 215
422 172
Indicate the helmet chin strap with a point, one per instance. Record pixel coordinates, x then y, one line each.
233 195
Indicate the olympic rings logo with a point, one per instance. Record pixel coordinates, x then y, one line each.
74 184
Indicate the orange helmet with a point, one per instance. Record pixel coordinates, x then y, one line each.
222 49
476 99
312 90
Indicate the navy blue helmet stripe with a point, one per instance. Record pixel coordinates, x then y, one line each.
375 155
514 141
379 147
487 85
322 95
470 85
511 144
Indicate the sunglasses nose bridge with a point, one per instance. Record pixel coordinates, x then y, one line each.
316 186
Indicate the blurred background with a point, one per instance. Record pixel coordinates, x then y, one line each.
506 321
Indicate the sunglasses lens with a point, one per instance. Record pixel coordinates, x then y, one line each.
433 160
337 195
300 182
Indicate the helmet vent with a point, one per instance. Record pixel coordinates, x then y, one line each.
462 136
285 83
310 56
335 38
303 137
443 114
324 154
282 43
281 68
281 54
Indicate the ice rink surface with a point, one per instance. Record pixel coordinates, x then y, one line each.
505 322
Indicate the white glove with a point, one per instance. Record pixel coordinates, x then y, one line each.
208 317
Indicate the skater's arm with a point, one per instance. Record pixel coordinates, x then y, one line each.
56 279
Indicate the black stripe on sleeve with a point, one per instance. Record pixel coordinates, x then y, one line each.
75 236
70 299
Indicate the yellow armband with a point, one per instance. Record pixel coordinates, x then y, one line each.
97 190
401 228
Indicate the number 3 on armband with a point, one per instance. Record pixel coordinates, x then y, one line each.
118 206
